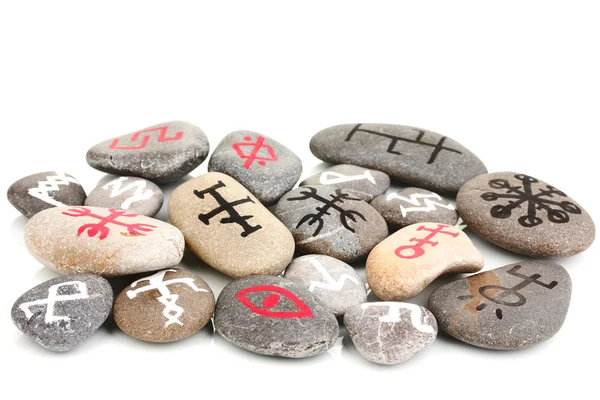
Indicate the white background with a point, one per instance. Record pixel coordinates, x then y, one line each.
516 82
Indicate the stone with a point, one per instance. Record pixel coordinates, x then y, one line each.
390 332
262 165
62 312
405 263
161 153
413 205
410 155
358 181
330 221
507 308
136 195
169 305
332 281
37 192
276 317
228 228
102 241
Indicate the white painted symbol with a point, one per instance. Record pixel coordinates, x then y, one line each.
414 199
331 177
53 298
172 311
393 314
138 194
330 283
51 183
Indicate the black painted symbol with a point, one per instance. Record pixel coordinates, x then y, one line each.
509 296
328 204
437 147
227 207
535 202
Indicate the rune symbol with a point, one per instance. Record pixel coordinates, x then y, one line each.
254 156
101 228
416 250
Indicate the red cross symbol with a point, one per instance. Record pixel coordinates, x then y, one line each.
416 250
162 137
101 228
250 158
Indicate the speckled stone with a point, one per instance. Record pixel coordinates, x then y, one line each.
525 215
330 221
405 263
133 194
161 153
62 312
262 165
411 155
228 228
506 308
390 332
37 192
276 317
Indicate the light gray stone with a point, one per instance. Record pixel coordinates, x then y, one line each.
127 193
360 182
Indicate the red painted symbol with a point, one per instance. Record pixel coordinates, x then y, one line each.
254 151
417 250
272 300
101 228
162 137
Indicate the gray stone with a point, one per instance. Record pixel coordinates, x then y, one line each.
61 313
360 182
390 332
264 166
37 192
160 153
411 155
275 316
127 193
413 205
506 308
525 215
332 281
325 220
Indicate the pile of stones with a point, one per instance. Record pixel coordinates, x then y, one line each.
245 219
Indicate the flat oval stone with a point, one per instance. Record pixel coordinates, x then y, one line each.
102 241
411 155
133 194
62 312
506 308
276 317
525 215
390 332
228 228
169 305
413 205
332 281
262 165
360 182
405 263
330 221
160 153
37 192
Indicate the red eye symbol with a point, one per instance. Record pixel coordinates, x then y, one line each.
272 300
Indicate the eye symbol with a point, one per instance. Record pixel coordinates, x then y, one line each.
272 300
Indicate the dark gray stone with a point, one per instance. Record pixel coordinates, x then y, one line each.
127 193
360 182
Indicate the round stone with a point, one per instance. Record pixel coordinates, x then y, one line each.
133 194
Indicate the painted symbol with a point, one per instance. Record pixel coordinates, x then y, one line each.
272 300
332 178
339 197
415 199
226 207
416 250
330 283
101 228
52 183
508 296
535 202
171 311
393 315
138 186
437 147
53 298
254 151
147 135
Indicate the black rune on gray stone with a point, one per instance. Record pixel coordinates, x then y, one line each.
62 312
38 192
127 193
274 316
160 153
411 155
506 308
